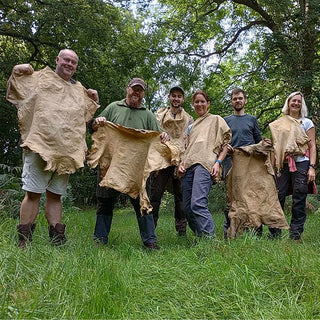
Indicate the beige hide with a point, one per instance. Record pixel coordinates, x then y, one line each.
175 127
251 190
209 133
126 158
289 139
52 117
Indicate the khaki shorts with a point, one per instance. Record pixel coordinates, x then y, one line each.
36 179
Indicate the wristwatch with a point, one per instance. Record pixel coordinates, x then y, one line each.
312 165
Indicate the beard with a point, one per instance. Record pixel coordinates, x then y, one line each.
134 101
238 107
175 105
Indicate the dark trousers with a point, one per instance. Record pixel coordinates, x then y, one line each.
297 182
105 214
158 182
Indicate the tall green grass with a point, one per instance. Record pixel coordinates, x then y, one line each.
246 278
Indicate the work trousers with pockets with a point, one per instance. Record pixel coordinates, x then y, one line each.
297 182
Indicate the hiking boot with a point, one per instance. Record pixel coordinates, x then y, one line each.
57 234
151 246
274 234
25 232
295 237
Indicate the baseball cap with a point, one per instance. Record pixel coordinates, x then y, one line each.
137 82
176 88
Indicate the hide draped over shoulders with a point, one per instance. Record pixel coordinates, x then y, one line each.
289 139
208 134
52 116
176 126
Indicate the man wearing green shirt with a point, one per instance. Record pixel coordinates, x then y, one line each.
128 112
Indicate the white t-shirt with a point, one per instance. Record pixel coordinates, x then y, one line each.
306 124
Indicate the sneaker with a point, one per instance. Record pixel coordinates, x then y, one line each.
151 246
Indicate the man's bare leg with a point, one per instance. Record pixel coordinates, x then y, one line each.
28 213
54 217
53 208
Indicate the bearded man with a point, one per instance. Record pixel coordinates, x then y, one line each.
175 121
128 112
245 131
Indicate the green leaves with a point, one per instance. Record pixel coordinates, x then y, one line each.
268 47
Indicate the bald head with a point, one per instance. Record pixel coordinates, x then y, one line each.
66 64
67 51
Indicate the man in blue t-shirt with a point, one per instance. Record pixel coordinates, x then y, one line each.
245 131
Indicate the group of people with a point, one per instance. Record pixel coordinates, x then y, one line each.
54 110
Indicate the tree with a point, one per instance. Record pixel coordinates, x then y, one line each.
269 47
110 43
106 37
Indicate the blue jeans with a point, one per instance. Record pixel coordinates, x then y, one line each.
196 185
106 199
105 215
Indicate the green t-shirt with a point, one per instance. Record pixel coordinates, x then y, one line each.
138 118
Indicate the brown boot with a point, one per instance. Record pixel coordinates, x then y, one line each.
57 234
25 232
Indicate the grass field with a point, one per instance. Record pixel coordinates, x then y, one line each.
246 278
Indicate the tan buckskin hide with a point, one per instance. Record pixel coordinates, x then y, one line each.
208 134
175 127
289 139
251 190
127 157
52 117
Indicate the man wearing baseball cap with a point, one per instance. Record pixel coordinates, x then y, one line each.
175 121
128 112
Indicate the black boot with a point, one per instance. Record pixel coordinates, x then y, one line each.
274 233
25 232
57 234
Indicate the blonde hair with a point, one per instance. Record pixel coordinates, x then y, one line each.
304 109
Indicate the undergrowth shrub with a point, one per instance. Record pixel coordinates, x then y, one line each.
11 194
83 187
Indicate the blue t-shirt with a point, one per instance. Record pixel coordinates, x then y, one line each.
244 129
